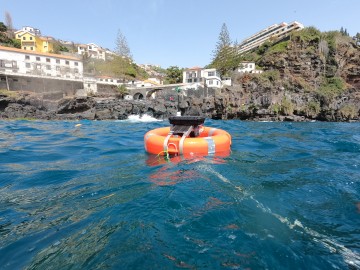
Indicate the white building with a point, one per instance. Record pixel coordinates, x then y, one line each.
35 64
31 30
273 32
248 67
92 50
199 76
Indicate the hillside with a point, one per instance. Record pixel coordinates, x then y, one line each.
312 75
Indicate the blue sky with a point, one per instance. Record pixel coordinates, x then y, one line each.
179 33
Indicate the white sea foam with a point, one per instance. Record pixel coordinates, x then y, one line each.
142 118
350 257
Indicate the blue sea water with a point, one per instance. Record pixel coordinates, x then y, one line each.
85 195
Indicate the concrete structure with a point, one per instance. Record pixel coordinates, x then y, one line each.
199 76
273 32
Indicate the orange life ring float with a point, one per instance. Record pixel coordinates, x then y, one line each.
209 141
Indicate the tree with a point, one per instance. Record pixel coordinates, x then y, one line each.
122 47
3 27
225 55
344 31
357 37
9 25
223 41
173 75
122 90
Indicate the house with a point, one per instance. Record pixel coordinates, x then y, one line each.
31 30
248 67
38 64
91 50
199 76
273 32
31 40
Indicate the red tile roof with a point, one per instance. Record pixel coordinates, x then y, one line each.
2 48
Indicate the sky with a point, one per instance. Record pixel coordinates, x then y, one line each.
179 33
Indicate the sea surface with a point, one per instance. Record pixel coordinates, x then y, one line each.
85 195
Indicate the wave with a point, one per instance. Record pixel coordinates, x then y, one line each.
141 118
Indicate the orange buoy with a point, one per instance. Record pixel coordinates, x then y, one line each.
162 141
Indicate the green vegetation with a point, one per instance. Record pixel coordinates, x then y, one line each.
122 90
225 56
312 108
331 88
118 67
5 40
276 108
280 47
267 78
307 35
173 75
7 93
287 107
348 111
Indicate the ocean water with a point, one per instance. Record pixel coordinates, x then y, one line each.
85 195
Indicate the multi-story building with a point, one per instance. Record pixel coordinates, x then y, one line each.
31 40
196 75
273 32
36 64
92 50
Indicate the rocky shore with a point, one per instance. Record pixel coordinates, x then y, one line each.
228 103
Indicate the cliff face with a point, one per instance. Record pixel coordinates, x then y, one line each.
303 79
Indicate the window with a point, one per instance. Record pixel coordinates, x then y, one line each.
30 38
211 73
31 48
48 67
57 68
18 35
57 61
28 65
76 63
24 38
210 82
24 48
76 70
67 62
48 60
189 80
27 57
195 79
37 58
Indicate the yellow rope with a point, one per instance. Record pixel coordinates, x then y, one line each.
167 156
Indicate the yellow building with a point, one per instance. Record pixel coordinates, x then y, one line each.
32 42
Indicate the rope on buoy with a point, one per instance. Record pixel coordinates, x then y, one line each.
164 152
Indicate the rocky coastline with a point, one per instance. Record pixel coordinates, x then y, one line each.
228 103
